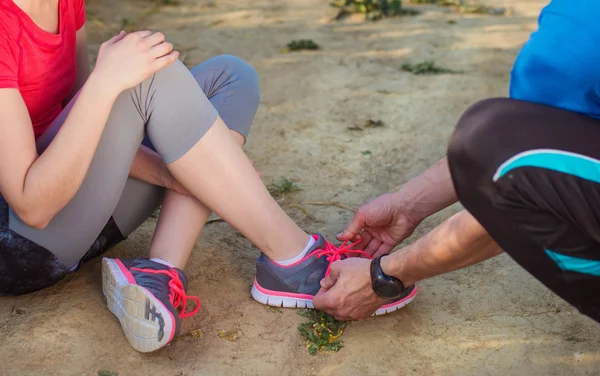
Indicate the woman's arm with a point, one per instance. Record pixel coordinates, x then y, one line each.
147 165
38 186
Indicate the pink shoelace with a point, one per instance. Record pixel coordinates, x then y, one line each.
334 253
177 294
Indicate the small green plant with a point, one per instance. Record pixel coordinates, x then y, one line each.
372 9
322 331
426 67
465 6
303 44
107 373
282 187
366 152
373 124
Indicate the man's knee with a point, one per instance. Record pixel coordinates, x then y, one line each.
479 132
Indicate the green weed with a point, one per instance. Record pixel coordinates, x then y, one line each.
427 67
282 187
465 6
373 9
373 124
107 373
302 44
322 331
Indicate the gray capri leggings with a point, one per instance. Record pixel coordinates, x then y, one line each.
173 109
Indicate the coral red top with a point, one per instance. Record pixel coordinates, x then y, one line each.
40 64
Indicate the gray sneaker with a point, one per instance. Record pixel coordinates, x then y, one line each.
148 298
295 285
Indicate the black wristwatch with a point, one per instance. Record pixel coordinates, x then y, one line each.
384 285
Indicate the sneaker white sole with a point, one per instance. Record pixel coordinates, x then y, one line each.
280 301
146 322
290 302
389 308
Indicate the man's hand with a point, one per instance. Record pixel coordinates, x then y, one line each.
346 293
382 224
389 219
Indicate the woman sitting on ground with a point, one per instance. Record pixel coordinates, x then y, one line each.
85 158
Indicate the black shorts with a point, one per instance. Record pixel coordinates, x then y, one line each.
26 267
530 174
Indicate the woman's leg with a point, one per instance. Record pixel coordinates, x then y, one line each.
530 174
203 156
144 294
232 87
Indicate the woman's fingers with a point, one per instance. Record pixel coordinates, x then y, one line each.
161 50
143 33
162 62
116 38
154 39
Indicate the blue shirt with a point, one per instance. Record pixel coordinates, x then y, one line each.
560 64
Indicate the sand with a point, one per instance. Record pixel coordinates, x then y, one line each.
490 319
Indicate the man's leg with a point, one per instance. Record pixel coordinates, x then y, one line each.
530 174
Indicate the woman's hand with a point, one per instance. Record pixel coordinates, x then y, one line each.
126 60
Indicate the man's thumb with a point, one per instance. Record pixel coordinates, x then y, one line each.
330 280
353 228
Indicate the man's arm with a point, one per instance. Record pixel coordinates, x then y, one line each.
389 219
429 192
457 243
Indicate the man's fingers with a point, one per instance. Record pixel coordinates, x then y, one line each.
384 249
373 246
323 301
334 273
326 297
353 228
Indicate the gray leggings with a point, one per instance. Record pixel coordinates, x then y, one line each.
174 109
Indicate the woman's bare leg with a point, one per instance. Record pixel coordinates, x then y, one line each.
218 173
179 224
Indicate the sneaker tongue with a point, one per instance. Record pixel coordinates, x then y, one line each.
183 278
320 243
158 283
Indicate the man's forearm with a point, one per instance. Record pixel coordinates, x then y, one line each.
429 192
458 242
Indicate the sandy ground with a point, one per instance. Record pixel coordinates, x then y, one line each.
491 319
